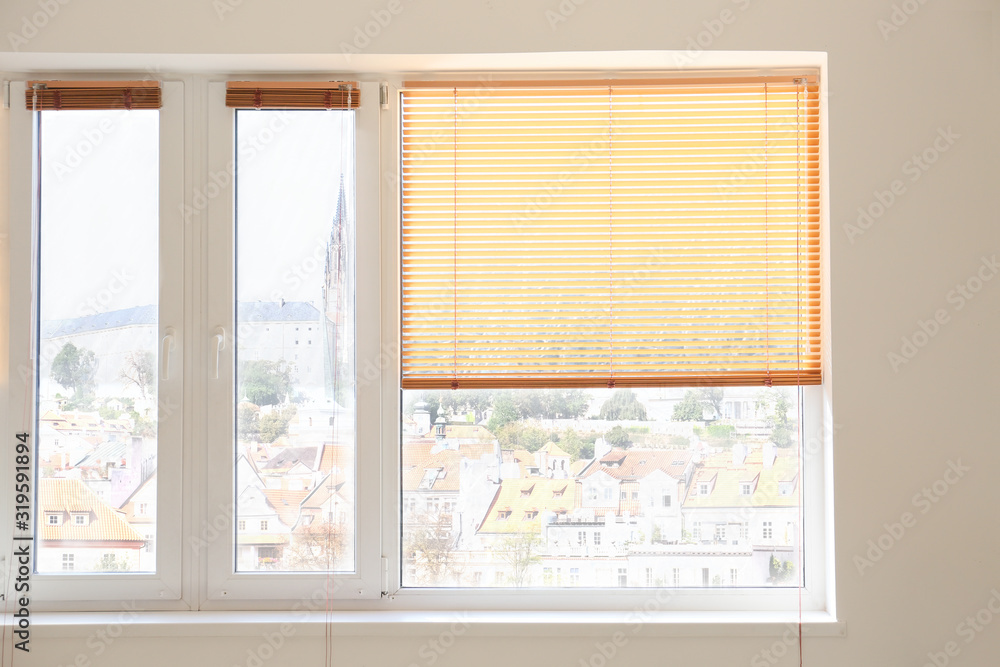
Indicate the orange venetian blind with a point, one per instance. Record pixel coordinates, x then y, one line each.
292 95
83 95
589 234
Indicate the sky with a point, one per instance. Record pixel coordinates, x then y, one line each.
100 210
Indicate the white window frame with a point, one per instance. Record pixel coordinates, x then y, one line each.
225 588
163 589
212 583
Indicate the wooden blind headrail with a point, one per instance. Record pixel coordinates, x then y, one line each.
92 95
293 95
715 82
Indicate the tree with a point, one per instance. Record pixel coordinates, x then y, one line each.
576 445
712 397
780 571
518 551
618 437
692 406
315 547
783 429
429 546
689 409
110 563
516 435
275 424
505 411
264 382
75 368
623 404
248 422
140 371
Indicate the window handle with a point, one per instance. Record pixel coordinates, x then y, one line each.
166 346
219 341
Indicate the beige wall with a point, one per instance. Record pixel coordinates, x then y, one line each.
889 96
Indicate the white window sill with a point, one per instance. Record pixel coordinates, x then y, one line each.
472 623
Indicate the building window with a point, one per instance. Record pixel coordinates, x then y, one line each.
597 539
704 576
666 501
68 562
574 576
263 525
720 532
241 525
733 576
80 519
745 488
677 577
649 576
581 538
54 519
622 577
767 532
703 489
143 509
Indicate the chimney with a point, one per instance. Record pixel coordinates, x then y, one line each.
601 448
739 453
422 418
770 452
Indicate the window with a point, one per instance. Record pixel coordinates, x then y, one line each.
733 576
68 562
80 519
767 532
54 519
279 433
676 577
745 489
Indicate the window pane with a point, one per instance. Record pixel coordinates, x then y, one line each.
618 488
295 341
98 302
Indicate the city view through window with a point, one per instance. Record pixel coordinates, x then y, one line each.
601 488
97 402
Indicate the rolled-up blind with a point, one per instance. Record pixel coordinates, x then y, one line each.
83 95
629 234
292 95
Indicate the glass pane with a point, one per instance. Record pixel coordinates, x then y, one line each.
601 488
98 303
295 395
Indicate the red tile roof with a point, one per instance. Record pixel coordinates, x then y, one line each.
285 503
638 463
71 496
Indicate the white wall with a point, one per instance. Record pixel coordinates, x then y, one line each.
889 97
